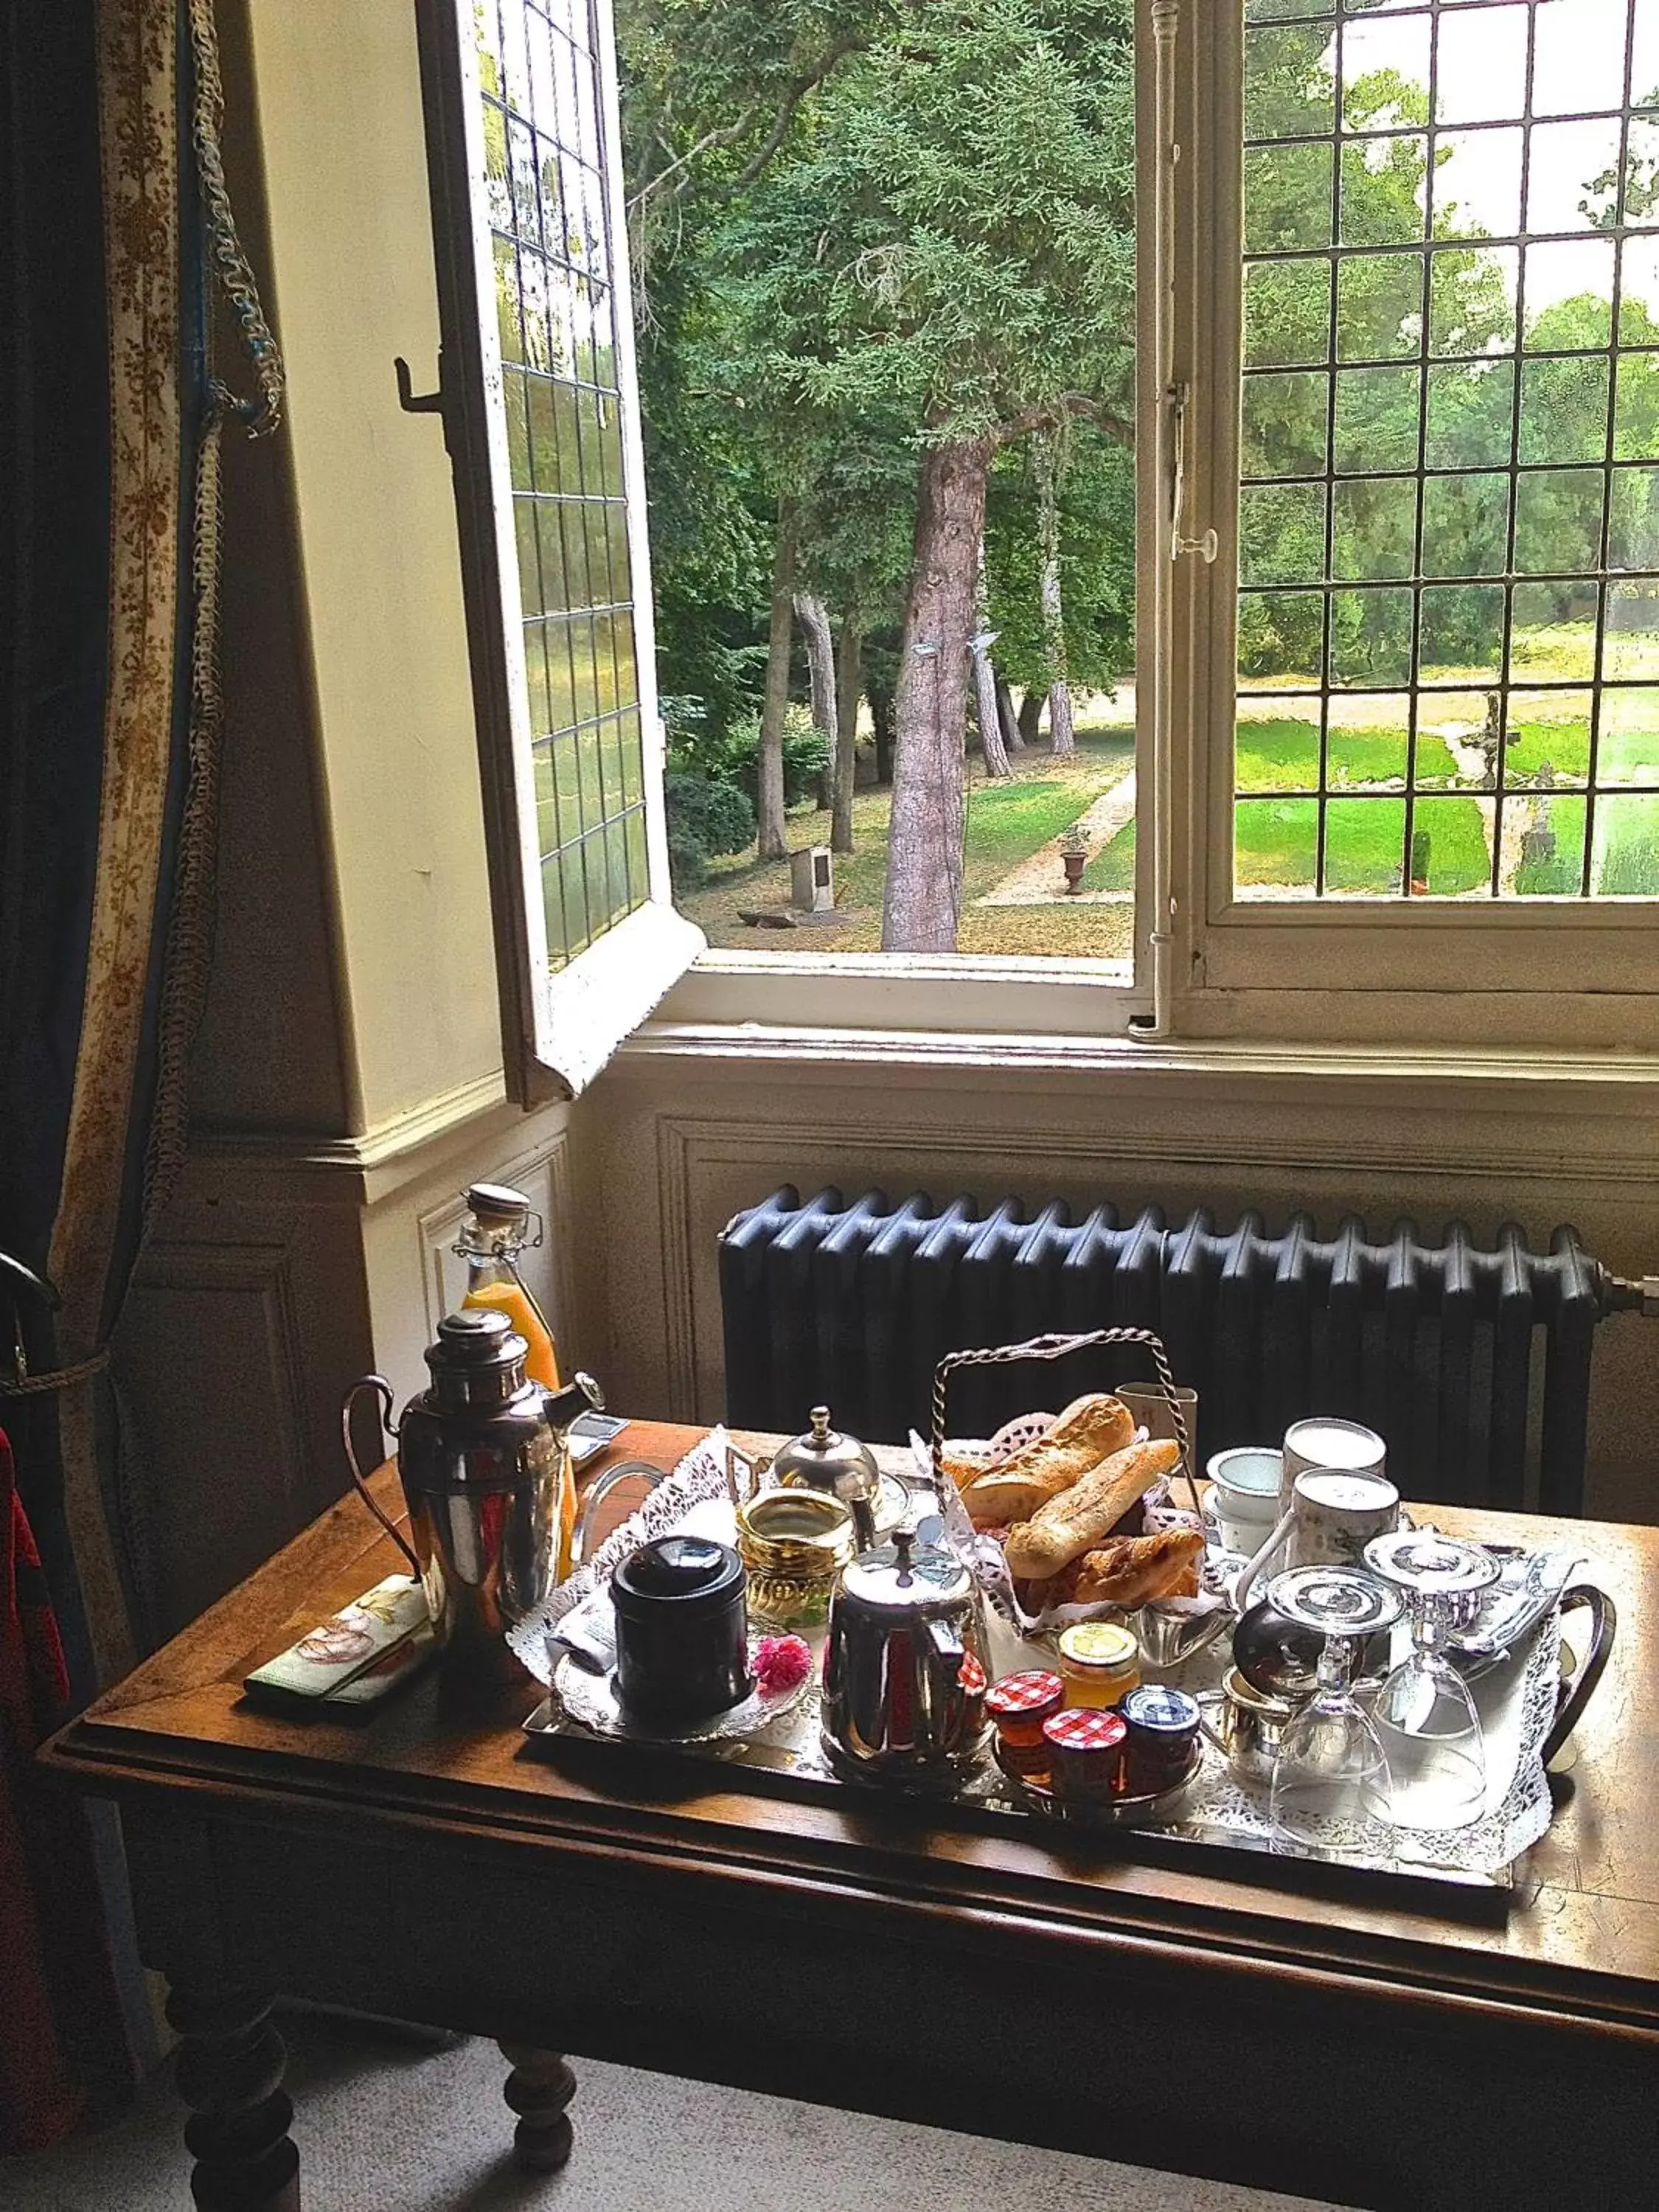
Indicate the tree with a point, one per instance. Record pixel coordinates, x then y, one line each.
964 199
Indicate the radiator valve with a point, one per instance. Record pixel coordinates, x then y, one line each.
1640 1295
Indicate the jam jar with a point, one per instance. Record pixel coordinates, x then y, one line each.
1085 1754
1019 1705
1163 1729
1099 1661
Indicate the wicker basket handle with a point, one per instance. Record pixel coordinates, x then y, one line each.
1056 1347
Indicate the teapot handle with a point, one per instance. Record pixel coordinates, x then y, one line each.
1604 1623
382 1390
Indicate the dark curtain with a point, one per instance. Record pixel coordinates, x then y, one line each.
109 425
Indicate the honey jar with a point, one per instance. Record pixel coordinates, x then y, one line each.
1019 1705
1099 1662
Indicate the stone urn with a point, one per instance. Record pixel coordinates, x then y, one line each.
1074 858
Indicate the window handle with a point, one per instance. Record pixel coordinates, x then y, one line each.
1208 545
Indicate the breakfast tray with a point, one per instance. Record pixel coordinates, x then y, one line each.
1217 1823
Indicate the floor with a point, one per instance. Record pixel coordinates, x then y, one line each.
383 2127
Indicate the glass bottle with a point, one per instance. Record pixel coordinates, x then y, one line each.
496 1229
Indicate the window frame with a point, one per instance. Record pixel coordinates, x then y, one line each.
559 1027
1572 972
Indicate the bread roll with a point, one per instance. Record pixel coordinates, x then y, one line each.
1068 1526
1135 1569
1089 1431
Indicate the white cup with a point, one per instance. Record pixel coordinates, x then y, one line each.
1245 1493
1323 1441
1331 1517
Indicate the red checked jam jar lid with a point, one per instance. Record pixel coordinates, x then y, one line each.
1085 1727
1019 1704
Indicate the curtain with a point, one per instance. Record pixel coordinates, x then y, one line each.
112 207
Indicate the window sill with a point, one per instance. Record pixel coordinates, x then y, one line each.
1621 1083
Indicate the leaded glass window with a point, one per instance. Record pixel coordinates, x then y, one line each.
556 303
1449 527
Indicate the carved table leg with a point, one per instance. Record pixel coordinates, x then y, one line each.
538 2090
230 2075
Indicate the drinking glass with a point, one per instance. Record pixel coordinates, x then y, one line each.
1427 1720
1332 1792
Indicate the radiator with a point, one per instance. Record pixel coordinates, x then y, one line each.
1433 1345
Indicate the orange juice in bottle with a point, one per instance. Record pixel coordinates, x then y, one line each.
496 1231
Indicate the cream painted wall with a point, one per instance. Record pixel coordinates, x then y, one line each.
672 1147
349 279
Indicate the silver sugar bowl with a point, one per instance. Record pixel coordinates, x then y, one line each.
824 1459
905 1670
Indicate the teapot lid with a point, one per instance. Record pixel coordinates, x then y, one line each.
906 1576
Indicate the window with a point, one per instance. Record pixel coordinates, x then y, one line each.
1369 484
1448 612
539 412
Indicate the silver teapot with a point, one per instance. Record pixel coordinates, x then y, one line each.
905 1670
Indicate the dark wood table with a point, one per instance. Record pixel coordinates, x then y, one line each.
423 1866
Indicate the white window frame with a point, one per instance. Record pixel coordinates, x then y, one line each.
558 1027
1567 974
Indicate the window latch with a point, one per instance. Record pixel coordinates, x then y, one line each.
1208 545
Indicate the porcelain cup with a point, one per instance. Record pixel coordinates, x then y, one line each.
1331 1517
1244 1495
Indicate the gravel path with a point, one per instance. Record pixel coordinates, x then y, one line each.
1039 880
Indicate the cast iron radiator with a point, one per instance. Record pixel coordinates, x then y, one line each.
1430 1343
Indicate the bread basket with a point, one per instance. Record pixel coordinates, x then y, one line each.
1187 1626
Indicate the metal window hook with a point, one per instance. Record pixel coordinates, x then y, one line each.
424 403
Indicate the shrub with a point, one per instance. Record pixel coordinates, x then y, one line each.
706 815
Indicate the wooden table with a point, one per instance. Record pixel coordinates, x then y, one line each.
423 1866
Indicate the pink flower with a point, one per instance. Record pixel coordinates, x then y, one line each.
781 1663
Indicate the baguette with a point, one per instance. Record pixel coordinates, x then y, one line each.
1068 1526
1089 1429
1133 1568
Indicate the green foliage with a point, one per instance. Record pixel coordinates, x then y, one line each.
1095 498
704 817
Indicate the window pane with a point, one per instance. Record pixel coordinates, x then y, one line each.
1370 637
1493 183
1548 739
1287 314
1628 749
1283 425
1365 844
1367 745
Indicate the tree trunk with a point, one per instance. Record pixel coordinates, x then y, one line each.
881 725
923 903
1030 715
814 619
986 711
1061 738
1011 735
776 697
850 682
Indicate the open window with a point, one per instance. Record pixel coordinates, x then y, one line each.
538 402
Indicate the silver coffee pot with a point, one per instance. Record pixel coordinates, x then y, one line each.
483 1455
905 1670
